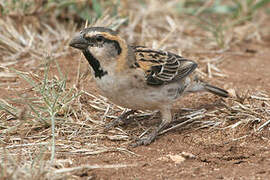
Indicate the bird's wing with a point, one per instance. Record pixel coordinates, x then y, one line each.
162 67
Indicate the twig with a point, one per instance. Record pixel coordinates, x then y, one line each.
26 145
112 166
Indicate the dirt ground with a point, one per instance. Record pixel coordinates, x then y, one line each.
210 154
189 154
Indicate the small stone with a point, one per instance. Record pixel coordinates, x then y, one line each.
188 155
164 158
177 158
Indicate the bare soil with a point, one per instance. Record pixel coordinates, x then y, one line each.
216 154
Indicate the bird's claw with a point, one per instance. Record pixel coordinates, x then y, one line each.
123 119
145 140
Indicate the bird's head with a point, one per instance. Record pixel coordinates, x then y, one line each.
101 42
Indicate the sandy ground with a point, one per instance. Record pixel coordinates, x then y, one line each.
189 154
216 155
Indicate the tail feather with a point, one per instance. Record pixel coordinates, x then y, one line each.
198 85
215 90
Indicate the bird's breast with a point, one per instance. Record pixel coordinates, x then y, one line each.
131 91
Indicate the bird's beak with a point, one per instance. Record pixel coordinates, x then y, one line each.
79 42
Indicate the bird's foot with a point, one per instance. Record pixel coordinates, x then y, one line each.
145 140
151 137
122 119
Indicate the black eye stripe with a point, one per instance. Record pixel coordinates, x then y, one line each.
98 39
95 38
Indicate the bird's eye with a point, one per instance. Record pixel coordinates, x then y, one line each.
99 38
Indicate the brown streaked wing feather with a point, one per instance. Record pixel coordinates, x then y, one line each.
161 66
147 58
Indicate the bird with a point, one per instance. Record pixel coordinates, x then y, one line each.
138 77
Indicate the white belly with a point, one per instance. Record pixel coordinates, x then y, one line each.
134 93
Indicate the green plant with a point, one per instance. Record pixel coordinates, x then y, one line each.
217 17
247 9
217 30
89 10
236 9
50 101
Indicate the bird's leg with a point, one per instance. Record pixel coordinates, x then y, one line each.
123 118
166 120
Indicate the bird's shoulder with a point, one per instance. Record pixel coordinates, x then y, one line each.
161 66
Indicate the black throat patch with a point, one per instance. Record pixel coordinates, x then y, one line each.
94 63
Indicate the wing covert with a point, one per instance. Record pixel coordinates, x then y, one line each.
162 67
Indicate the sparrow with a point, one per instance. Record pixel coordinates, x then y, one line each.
137 77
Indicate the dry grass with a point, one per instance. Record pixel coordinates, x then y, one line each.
49 120
29 44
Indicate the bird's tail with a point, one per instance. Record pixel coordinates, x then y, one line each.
198 85
216 90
